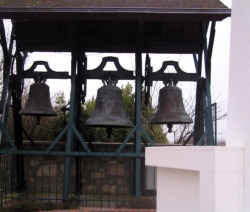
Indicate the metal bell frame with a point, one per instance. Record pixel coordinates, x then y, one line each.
203 126
12 86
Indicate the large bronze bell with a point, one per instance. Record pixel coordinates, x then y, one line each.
171 108
38 103
109 109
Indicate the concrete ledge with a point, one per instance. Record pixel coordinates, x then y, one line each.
194 157
198 179
103 210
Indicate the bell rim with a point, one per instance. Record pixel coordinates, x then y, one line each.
171 122
106 126
172 119
38 114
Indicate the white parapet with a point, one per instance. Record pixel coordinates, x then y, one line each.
198 179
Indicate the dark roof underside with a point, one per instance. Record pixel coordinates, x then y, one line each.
109 36
127 9
112 25
170 4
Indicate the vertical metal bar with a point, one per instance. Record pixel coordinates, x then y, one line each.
67 163
215 123
17 105
196 63
50 184
80 69
199 117
209 51
208 117
138 104
138 87
57 166
5 97
148 83
208 56
42 191
77 144
6 68
6 65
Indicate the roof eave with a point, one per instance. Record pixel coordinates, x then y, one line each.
113 13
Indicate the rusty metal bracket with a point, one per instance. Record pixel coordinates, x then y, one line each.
100 73
38 75
159 75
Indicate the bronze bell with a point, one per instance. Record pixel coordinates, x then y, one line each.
38 103
171 108
109 109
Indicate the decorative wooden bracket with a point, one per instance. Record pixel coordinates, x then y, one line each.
40 63
49 74
166 64
159 75
100 73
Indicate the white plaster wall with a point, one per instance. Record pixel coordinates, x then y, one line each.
198 179
238 131
187 193
223 192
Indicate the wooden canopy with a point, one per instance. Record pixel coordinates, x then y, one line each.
102 9
174 26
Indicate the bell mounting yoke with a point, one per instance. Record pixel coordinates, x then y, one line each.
40 76
110 81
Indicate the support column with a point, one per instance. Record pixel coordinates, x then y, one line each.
70 135
138 109
81 67
6 65
18 134
238 131
208 107
138 89
77 144
199 115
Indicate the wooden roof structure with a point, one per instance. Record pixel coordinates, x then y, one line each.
102 9
111 25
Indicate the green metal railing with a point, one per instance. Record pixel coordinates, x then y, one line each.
102 182
12 146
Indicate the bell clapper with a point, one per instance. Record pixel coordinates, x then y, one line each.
170 127
170 83
110 81
64 109
38 120
28 136
109 132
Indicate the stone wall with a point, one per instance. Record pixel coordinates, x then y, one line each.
108 176
103 182
102 175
